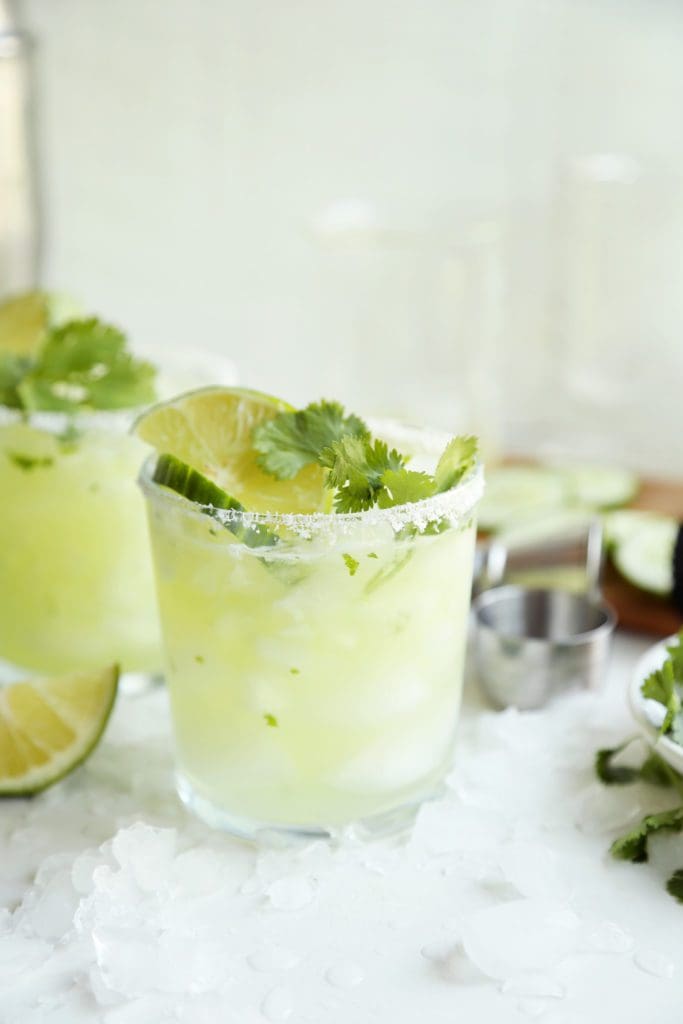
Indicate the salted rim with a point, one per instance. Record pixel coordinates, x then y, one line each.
456 504
56 422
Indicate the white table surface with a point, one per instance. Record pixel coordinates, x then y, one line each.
120 908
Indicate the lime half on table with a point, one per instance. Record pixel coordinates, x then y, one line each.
50 726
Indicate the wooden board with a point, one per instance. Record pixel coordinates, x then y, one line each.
636 609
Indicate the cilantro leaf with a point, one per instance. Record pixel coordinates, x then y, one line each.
13 369
611 774
657 772
660 686
654 770
633 845
28 462
458 458
674 886
270 720
292 440
675 652
404 485
356 468
85 364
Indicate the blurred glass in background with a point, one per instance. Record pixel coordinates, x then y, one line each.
466 211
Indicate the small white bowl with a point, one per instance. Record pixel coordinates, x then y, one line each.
648 713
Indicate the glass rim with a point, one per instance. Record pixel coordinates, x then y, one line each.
456 505
55 421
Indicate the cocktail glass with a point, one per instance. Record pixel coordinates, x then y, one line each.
76 581
316 682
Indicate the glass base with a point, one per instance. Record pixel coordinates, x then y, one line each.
387 823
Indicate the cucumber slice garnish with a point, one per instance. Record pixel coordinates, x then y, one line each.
197 488
645 558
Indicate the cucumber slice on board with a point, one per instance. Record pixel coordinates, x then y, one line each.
645 558
515 493
601 487
623 523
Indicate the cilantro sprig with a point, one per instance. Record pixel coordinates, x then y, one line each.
82 364
363 471
665 686
292 440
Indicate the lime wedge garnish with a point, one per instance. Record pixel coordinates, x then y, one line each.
183 479
49 726
211 430
26 318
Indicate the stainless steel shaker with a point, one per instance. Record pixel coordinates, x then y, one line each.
19 234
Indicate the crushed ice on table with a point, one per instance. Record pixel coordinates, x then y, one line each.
118 907
653 962
345 974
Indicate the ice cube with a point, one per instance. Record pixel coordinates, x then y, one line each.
400 757
147 852
83 869
533 869
128 960
52 913
602 810
521 935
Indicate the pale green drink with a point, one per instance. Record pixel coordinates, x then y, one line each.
316 682
76 585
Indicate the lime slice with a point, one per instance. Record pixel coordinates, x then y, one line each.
210 430
24 319
49 726
183 479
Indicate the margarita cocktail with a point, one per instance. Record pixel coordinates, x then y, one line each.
314 657
76 585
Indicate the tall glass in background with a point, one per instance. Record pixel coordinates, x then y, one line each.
419 299
318 681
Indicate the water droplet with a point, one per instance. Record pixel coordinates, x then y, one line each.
345 974
277 1006
653 962
273 958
